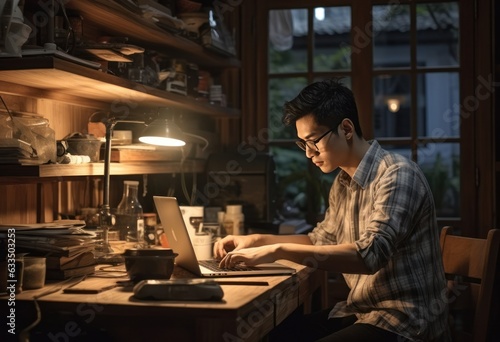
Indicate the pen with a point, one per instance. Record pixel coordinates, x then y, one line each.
243 282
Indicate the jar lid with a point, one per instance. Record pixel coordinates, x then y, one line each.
233 209
130 182
149 252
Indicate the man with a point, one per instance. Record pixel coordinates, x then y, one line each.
379 230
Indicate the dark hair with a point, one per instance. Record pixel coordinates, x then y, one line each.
329 101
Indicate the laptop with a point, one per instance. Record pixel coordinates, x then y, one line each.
179 240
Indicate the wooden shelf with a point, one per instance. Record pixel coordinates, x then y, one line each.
116 19
58 171
61 80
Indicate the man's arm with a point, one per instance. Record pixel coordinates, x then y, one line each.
236 242
337 258
343 258
268 239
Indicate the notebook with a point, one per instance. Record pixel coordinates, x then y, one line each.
178 239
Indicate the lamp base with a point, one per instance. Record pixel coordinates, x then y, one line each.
104 254
109 259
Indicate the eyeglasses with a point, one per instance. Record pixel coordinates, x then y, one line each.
303 144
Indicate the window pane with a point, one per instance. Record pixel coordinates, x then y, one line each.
438 105
280 91
391 36
332 32
288 31
440 163
392 106
400 149
437 34
291 166
302 189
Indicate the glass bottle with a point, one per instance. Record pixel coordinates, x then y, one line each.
129 215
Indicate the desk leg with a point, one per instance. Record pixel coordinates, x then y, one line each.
317 298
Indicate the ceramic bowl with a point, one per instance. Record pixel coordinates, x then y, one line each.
149 263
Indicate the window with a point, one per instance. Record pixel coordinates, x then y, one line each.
416 87
404 64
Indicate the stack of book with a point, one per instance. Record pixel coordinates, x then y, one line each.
68 248
16 151
64 267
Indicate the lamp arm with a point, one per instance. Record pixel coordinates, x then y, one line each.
105 217
199 137
110 124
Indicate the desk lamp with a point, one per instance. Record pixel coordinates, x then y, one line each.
160 132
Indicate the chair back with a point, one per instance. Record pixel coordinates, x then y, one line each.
470 265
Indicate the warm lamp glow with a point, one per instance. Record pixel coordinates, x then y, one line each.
163 133
161 141
393 105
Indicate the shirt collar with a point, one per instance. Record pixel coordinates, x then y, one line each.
362 173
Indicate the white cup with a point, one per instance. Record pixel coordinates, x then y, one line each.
202 244
34 273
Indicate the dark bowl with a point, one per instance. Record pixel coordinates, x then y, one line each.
152 263
84 144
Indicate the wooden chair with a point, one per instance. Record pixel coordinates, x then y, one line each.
470 265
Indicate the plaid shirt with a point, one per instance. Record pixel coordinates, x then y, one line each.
387 210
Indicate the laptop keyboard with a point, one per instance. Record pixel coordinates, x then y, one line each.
214 266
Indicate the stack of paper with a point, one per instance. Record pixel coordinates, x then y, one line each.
66 245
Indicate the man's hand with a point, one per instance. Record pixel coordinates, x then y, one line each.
250 256
232 243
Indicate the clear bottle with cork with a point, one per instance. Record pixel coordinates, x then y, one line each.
129 215
233 222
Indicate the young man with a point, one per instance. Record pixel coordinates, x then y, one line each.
379 230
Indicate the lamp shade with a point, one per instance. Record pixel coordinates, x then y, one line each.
163 132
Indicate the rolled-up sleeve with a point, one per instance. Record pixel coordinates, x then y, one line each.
396 198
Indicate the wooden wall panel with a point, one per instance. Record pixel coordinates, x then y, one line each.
63 118
75 195
18 203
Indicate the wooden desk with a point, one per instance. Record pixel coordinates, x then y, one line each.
247 313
